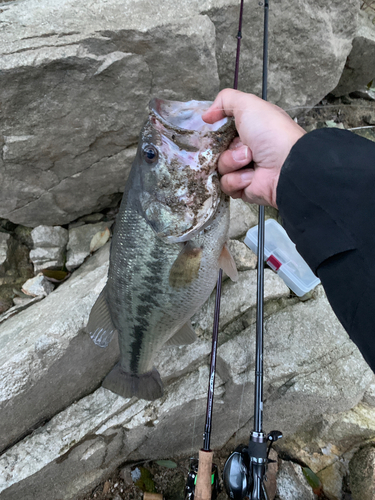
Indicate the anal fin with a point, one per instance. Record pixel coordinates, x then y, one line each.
186 335
144 386
100 326
227 264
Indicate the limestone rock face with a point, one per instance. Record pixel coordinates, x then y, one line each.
76 77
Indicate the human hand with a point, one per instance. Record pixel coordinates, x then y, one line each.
266 136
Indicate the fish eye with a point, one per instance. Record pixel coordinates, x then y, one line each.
150 154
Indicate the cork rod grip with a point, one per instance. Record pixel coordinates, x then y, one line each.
152 496
203 486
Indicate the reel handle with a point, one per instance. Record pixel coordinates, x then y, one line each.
203 486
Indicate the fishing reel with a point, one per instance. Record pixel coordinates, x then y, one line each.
245 469
192 481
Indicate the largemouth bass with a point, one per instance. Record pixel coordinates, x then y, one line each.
168 243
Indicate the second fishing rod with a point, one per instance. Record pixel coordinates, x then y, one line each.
245 469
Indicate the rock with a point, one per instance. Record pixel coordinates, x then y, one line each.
38 286
237 298
243 216
302 70
367 133
369 395
327 445
244 258
272 470
332 479
292 484
5 305
23 234
4 240
86 129
45 344
49 236
126 475
79 242
79 127
362 473
47 258
20 301
359 68
15 268
91 218
369 117
49 245
20 305
365 93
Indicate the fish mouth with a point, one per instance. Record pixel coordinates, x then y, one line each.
189 150
184 116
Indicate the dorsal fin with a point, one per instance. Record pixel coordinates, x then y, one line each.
227 264
100 326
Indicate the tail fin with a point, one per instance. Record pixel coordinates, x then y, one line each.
146 386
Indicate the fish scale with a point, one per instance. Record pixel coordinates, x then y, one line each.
163 265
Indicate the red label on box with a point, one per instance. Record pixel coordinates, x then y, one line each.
274 263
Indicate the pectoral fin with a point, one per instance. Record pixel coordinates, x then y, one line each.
227 264
186 335
186 267
100 326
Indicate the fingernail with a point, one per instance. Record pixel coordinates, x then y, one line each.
240 154
246 176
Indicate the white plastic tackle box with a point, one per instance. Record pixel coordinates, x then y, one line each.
281 255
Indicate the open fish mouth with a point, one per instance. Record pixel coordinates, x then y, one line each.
184 115
186 191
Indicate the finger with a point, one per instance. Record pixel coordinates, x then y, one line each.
236 143
234 182
234 159
222 106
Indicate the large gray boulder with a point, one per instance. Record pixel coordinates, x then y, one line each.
359 68
75 82
76 76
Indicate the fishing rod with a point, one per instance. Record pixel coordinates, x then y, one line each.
245 469
203 478
203 481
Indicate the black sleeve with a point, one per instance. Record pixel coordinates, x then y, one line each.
326 198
